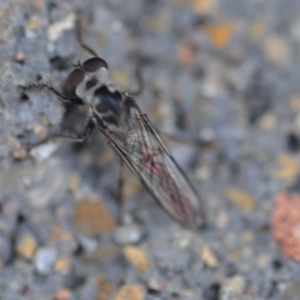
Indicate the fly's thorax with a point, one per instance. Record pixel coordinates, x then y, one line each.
111 106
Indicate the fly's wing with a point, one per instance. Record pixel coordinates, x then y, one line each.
149 159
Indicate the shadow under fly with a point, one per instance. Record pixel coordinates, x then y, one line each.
116 115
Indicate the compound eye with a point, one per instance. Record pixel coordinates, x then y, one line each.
94 63
75 78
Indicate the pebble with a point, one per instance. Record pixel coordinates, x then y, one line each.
26 246
203 6
137 257
243 200
44 260
131 292
209 258
220 35
286 224
233 288
74 182
287 169
62 265
92 218
128 234
89 245
43 151
57 28
277 51
63 294
105 288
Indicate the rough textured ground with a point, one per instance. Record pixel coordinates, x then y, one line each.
226 70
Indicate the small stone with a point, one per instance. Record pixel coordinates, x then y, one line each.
40 131
44 151
267 121
74 182
63 294
220 35
92 218
263 261
233 288
101 253
277 51
20 154
209 258
242 199
62 265
186 55
203 6
105 288
137 257
286 225
57 28
294 102
128 234
89 244
20 57
31 28
26 246
131 292
44 260
288 169
39 5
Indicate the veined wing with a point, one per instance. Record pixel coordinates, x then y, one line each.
144 152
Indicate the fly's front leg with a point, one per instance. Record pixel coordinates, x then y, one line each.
41 86
79 30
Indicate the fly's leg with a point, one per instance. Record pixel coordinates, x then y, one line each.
80 138
142 62
75 139
74 100
204 143
79 30
122 199
70 100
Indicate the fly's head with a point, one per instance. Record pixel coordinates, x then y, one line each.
86 77
89 82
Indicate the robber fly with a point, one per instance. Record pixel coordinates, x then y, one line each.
129 132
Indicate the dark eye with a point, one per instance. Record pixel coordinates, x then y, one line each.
94 63
73 80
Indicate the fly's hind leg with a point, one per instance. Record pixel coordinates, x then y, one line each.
124 216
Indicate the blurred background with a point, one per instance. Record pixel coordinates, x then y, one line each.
226 71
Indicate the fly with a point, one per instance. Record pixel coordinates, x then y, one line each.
130 133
